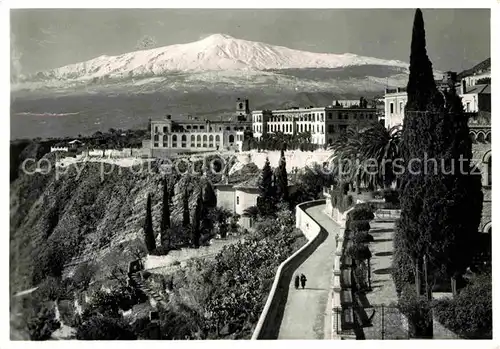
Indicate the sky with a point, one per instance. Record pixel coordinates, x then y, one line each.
43 39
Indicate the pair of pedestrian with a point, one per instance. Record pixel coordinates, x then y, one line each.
300 281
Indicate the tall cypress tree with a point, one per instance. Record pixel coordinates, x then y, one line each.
149 237
441 203
196 227
185 209
165 217
267 196
282 179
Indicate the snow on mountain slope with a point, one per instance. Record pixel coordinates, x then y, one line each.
217 52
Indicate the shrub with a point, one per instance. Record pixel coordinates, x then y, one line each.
469 314
359 252
361 212
83 274
345 188
417 310
359 226
104 328
50 289
362 238
160 251
403 271
42 324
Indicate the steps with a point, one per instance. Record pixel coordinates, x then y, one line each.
154 296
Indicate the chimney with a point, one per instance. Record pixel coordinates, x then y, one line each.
463 88
169 116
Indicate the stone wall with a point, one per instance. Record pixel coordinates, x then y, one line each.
294 158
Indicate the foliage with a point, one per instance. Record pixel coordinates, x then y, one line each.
280 141
469 314
42 324
51 289
149 237
109 304
362 238
48 260
417 310
185 209
358 226
361 212
282 179
266 200
403 268
391 196
104 328
165 216
309 184
340 199
197 218
359 252
83 274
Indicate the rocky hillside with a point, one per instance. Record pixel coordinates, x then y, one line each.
81 215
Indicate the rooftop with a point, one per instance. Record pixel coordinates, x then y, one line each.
478 89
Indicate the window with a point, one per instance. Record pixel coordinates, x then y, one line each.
211 141
195 127
198 141
156 138
331 128
391 106
156 129
204 141
165 129
165 141
193 141
156 145
174 141
329 116
322 129
202 127
240 106
228 128
184 140
400 107
231 139
339 116
467 108
489 171
237 200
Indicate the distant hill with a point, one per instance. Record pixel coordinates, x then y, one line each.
484 65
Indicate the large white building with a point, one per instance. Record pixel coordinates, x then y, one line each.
324 123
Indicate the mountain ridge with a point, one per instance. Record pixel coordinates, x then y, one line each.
217 52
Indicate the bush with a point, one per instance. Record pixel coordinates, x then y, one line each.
105 328
359 226
361 212
417 310
470 313
42 324
359 252
362 238
83 275
160 251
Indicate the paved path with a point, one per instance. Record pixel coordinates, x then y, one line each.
307 313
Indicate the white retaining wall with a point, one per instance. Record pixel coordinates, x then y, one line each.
294 158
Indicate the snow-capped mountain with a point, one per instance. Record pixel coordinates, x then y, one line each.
218 52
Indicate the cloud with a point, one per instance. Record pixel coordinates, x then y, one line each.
15 60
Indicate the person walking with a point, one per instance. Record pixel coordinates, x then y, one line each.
297 281
303 280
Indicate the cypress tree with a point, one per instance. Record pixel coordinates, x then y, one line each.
441 202
185 209
266 200
165 217
282 179
197 219
149 237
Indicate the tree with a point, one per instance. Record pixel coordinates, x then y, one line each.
185 209
83 274
282 179
197 218
267 197
165 217
383 146
149 237
486 81
441 203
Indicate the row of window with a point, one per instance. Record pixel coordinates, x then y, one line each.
340 116
194 139
301 128
165 129
480 137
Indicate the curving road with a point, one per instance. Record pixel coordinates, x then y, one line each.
307 313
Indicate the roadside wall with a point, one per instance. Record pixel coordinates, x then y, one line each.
270 320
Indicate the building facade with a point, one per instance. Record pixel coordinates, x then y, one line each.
325 124
170 137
